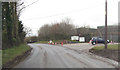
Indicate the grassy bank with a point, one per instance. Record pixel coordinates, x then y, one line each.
111 52
0 58
110 47
10 54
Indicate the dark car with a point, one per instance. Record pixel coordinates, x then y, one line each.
96 40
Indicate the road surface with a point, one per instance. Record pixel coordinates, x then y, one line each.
79 46
51 56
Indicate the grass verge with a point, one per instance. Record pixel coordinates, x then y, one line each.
111 52
0 58
59 41
110 47
44 42
10 54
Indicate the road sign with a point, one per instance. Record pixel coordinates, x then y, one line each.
82 39
74 37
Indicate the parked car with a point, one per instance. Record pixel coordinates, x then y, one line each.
96 40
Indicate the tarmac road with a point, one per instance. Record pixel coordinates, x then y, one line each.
53 56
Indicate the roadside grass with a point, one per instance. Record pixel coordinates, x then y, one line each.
111 52
11 53
0 58
110 47
44 42
74 41
58 41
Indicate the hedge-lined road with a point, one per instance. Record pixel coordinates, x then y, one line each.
49 56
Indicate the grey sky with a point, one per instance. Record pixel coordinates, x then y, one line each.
81 12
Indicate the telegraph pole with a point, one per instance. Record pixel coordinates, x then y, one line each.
105 24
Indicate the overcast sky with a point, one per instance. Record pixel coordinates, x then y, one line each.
81 12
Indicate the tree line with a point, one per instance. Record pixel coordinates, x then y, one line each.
12 28
64 30
57 31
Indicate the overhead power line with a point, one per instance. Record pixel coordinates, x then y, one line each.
25 6
64 13
28 5
32 3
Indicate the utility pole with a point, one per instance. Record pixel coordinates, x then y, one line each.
105 24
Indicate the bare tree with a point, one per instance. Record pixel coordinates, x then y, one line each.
28 31
57 31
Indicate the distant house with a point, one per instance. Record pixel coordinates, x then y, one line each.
88 33
112 32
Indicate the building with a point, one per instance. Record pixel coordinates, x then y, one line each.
112 32
88 33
